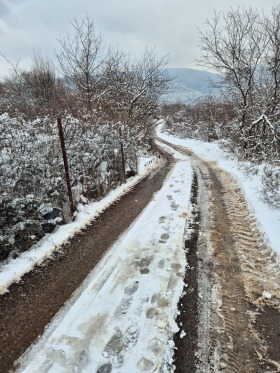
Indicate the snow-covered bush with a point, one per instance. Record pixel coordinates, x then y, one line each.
271 185
33 196
258 146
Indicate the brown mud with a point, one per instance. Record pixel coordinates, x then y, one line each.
186 343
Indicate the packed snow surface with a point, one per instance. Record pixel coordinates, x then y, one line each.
123 317
268 218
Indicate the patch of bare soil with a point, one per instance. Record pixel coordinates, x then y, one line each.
267 319
30 304
187 320
237 342
244 298
248 274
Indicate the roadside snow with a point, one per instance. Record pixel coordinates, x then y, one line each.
268 219
123 318
14 269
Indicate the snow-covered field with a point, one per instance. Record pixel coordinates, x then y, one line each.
123 317
268 218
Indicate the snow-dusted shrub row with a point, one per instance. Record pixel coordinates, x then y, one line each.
33 197
262 157
271 184
214 118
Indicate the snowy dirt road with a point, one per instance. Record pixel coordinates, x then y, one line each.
238 281
122 319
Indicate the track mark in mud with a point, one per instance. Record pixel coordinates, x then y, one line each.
186 339
258 262
237 342
245 285
258 270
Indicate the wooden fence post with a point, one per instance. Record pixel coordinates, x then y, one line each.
122 155
66 168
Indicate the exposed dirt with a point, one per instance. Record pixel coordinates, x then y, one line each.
238 327
184 356
265 319
30 304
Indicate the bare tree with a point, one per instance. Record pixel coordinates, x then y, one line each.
115 72
234 46
41 79
31 92
135 88
272 29
132 92
149 82
13 87
80 58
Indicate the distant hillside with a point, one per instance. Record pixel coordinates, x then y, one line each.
189 84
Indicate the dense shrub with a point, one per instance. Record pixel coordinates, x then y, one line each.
213 119
33 197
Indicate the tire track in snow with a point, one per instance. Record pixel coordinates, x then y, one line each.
246 282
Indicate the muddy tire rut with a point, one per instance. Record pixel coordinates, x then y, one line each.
238 324
185 352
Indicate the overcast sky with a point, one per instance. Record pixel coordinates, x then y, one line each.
130 25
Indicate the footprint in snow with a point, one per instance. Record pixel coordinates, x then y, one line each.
131 289
115 345
174 206
145 364
144 271
161 263
105 368
144 264
123 307
163 238
156 346
152 313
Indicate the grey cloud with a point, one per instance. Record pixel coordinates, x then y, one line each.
130 25
4 9
6 6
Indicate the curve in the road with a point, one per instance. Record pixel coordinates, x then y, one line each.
235 268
